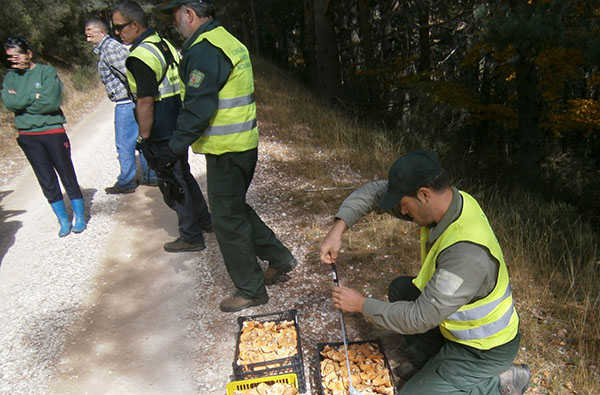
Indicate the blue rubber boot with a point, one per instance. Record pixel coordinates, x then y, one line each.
79 225
63 218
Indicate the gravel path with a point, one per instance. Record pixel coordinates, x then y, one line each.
108 311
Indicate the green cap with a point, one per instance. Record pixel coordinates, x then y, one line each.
176 3
410 172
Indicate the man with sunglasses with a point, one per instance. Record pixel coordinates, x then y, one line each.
154 85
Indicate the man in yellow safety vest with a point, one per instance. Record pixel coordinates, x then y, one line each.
218 119
154 84
457 315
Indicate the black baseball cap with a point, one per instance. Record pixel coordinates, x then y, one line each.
176 3
410 172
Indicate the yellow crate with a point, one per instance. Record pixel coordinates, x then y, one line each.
245 385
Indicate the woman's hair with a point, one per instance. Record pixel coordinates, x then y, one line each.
17 42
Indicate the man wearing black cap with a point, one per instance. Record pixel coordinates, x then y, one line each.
218 119
457 315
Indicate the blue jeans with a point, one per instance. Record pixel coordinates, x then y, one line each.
126 132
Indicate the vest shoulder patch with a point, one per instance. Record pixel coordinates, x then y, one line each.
446 282
196 78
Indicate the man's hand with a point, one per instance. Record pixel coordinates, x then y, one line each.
348 299
167 159
332 244
150 153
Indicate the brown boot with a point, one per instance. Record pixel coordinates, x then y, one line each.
273 274
515 380
237 303
180 245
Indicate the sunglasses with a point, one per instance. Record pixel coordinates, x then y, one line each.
121 26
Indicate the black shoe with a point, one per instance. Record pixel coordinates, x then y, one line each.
273 274
116 190
180 245
237 303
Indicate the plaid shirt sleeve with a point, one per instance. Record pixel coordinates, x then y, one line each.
111 67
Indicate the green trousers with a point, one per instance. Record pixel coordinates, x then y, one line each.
447 367
241 234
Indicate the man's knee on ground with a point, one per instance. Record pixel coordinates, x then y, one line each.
402 289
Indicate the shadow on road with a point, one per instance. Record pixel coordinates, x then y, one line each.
8 228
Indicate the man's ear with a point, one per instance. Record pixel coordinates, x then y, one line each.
424 194
189 15
137 26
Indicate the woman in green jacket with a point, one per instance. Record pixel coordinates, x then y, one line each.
34 93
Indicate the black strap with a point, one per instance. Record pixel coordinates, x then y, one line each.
166 52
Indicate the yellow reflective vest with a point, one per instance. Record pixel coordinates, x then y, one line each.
233 127
485 323
149 52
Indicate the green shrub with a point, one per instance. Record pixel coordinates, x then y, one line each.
84 78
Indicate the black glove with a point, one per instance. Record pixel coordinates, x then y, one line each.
166 160
150 152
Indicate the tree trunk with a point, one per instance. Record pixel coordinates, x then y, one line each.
529 139
366 33
327 73
424 45
254 28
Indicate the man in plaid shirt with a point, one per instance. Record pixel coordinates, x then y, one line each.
111 66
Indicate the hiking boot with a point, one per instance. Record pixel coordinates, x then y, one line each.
405 370
180 245
273 274
117 190
237 303
515 380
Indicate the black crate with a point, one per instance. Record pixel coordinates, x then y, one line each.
292 364
321 346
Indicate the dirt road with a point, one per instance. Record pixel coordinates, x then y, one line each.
108 311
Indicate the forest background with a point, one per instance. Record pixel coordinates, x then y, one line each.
505 91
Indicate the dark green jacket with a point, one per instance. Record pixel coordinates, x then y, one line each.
200 98
34 114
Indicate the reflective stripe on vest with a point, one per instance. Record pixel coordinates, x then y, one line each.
164 87
233 126
490 321
486 330
230 129
151 56
480 312
236 101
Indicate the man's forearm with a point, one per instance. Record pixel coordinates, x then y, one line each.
144 109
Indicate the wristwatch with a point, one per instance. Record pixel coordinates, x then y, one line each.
140 139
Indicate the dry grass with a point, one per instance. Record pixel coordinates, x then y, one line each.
552 255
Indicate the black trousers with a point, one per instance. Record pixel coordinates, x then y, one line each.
192 210
48 155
